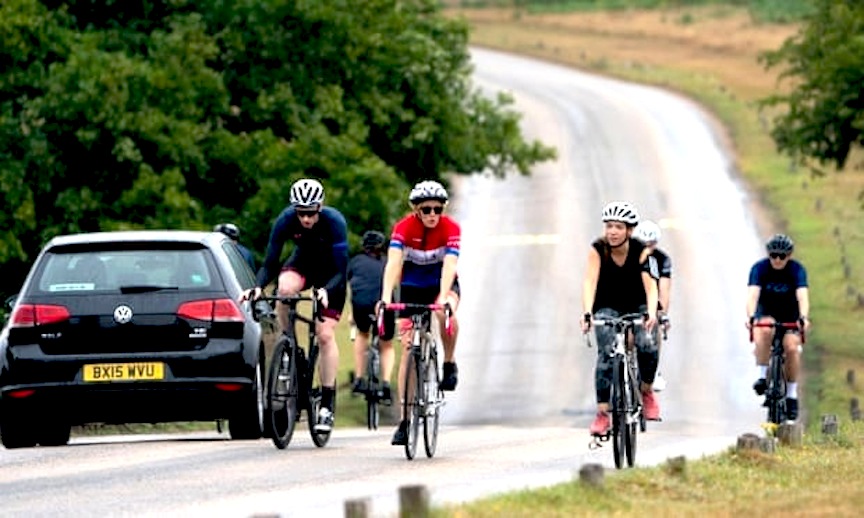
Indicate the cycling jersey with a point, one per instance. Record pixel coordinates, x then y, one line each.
777 297
424 249
366 273
320 253
620 288
660 266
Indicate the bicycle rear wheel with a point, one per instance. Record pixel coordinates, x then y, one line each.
373 376
433 396
619 413
634 417
282 389
411 388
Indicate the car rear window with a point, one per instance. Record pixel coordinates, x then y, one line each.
77 270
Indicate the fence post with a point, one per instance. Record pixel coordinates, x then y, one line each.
829 424
413 501
591 474
357 508
790 434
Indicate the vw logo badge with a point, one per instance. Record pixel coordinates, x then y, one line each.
122 314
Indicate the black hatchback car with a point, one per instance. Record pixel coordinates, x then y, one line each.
133 327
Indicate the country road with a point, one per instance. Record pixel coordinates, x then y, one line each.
526 395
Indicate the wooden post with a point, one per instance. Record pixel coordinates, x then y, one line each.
748 441
790 434
767 444
413 501
854 409
850 376
358 508
591 475
829 424
677 465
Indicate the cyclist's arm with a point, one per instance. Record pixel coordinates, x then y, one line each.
339 230
650 285
803 296
753 299
451 257
665 288
589 284
392 273
271 265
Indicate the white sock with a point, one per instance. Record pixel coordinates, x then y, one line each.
792 390
763 370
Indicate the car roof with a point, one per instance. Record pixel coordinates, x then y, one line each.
176 236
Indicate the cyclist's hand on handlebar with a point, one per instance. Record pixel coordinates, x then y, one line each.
321 295
586 322
650 321
251 294
804 323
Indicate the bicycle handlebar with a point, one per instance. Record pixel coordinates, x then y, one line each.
292 300
402 306
780 325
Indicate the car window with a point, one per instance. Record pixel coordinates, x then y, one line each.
102 270
241 268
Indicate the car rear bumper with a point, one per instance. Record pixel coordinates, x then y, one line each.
201 399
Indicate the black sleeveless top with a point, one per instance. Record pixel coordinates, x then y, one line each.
620 287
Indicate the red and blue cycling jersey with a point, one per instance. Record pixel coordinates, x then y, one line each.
424 249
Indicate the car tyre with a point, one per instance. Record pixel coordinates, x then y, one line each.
16 430
54 434
248 421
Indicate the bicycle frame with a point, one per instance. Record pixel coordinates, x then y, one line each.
422 399
776 393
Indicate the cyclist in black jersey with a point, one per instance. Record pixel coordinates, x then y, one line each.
618 281
366 276
649 234
319 259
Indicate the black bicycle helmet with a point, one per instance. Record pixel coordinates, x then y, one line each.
780 243
229 229
373 240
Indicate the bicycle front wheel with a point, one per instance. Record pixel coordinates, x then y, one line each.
432 397
634 418
411 388
282 389
619 413
776 393
373 375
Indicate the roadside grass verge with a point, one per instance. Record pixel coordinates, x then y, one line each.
714 60
820 478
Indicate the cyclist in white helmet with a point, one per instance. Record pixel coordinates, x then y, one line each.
618 281
424 249
319 259
649 234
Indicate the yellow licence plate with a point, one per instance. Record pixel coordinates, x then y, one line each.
124 371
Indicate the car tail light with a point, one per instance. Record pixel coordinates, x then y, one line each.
32 315
211 310
229 387
20 394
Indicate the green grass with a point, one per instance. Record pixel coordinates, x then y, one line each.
822 477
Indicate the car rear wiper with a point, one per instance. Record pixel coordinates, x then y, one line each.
145 288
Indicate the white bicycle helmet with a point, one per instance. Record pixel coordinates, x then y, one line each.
307 193
647 231
621 211
427 190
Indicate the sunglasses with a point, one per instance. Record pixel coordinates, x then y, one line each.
777 255
438 209
307 213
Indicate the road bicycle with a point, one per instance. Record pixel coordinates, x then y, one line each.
374 384
775 394
422 397
626 395
291 383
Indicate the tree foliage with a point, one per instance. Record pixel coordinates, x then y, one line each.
823 118
184 113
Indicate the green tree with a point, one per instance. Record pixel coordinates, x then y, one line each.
185 113
823 117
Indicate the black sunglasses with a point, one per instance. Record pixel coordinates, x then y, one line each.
777 255
438 209
306 213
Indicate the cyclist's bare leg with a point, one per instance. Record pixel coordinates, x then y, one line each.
361 343
388 357
290 283
329 364
449 341
762 337
404 327
793 358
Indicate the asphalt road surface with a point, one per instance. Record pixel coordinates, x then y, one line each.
526 394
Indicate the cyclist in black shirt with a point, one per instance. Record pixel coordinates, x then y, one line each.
365 276
319 259
618 281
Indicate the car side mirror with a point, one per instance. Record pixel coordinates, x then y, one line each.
10 302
